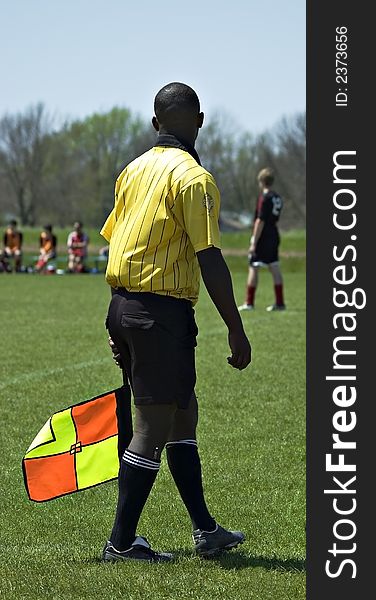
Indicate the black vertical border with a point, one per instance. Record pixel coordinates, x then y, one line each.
331 129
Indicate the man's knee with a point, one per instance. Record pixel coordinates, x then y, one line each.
152 426
185 422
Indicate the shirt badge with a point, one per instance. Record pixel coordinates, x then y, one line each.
208 202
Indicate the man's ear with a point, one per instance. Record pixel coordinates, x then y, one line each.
155 123
200 120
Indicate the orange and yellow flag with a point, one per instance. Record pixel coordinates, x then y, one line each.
79 447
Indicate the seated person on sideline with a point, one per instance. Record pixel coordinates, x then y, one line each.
12 241
77 249
47 248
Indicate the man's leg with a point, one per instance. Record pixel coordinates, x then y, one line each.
5 261
71 262
139 468
185 466
184 462
278 284
80 265
252 285
17 260
252 282
41 262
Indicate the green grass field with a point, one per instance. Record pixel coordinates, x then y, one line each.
251 437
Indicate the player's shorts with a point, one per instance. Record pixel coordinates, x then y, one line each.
156 338
266 252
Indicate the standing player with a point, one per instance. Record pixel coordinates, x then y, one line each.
264 242
162 231
77 249
12 241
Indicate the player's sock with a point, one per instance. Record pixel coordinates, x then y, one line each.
278 289
251 292
184 463
136 477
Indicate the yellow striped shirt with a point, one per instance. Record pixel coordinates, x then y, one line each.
166 209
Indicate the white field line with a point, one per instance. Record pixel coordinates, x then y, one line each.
43 373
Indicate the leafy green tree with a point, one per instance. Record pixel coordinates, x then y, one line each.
68 173
24 151
99 147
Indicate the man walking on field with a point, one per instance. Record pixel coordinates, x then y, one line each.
162 231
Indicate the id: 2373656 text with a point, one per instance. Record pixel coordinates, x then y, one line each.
341 66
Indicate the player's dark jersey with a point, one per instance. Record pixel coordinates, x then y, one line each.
268 209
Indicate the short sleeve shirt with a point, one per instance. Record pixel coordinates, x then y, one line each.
166 210
268 208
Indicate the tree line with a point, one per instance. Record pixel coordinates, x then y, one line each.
59 173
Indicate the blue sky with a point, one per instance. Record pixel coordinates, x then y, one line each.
245 58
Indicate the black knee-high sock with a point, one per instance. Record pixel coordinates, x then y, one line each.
136 477
184 463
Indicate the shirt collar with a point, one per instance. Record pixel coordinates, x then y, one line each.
168 140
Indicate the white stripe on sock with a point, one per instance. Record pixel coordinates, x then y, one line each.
135 463
187 442
149 461
140 461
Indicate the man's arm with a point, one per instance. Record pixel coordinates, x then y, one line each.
218 282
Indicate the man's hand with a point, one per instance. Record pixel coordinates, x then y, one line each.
115 353
241 350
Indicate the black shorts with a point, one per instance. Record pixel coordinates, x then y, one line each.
156 338
266 252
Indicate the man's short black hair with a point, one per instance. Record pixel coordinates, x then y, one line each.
174 102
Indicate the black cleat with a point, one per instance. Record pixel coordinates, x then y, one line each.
208 543
139 550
